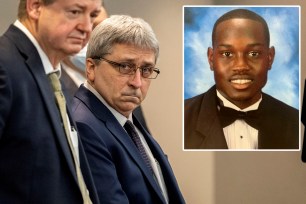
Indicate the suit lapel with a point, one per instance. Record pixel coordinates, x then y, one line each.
208 124
160 157
118 132
267 137
103 114
303 119
173 191
35 66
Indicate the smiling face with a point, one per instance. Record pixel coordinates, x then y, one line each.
240 59
122 92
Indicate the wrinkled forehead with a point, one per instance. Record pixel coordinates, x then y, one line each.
133 52
132 49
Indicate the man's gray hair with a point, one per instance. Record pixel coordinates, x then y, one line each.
121 29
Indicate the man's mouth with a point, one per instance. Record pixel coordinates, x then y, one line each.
131 98
78 39
241 81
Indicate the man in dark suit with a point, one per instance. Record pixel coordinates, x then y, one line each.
73 72
127 164
36 163
234 113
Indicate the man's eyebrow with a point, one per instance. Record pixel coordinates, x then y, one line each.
98 11
256 44
83 7
79 6
224 45
132 61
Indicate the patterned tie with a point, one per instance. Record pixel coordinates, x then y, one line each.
130 128
61 103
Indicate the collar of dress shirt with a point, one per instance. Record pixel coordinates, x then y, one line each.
121 118
229 104
44 58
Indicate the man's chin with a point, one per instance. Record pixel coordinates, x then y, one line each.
126 112
73 49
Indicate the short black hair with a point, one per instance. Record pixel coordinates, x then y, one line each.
244 14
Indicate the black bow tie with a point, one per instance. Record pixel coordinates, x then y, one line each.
229 115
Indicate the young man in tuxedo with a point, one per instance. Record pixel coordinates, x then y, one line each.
235 113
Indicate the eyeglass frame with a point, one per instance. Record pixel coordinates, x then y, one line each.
133 67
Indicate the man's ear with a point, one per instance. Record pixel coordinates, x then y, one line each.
90 70
210 57
271 56
33 8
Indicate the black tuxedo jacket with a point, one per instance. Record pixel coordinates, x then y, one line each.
120 174
36 165
278 127
303 119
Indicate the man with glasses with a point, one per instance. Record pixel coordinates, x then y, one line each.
127 164
73 72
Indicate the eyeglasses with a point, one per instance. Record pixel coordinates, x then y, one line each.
148 72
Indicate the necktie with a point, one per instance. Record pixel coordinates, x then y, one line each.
61 103
229 115
130 128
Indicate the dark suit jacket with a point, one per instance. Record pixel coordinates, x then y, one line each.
119 172
36 165
279 124
303 119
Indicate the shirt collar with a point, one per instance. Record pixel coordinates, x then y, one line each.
121 118
229 104
44 58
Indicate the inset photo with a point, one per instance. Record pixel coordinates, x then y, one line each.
241 78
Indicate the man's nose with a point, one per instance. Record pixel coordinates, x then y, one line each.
136 79
241 62
85 24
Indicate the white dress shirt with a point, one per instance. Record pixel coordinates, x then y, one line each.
240 135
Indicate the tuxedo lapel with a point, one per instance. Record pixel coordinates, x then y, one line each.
35 66
208 123
268 137
264 136
111 123
303 119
